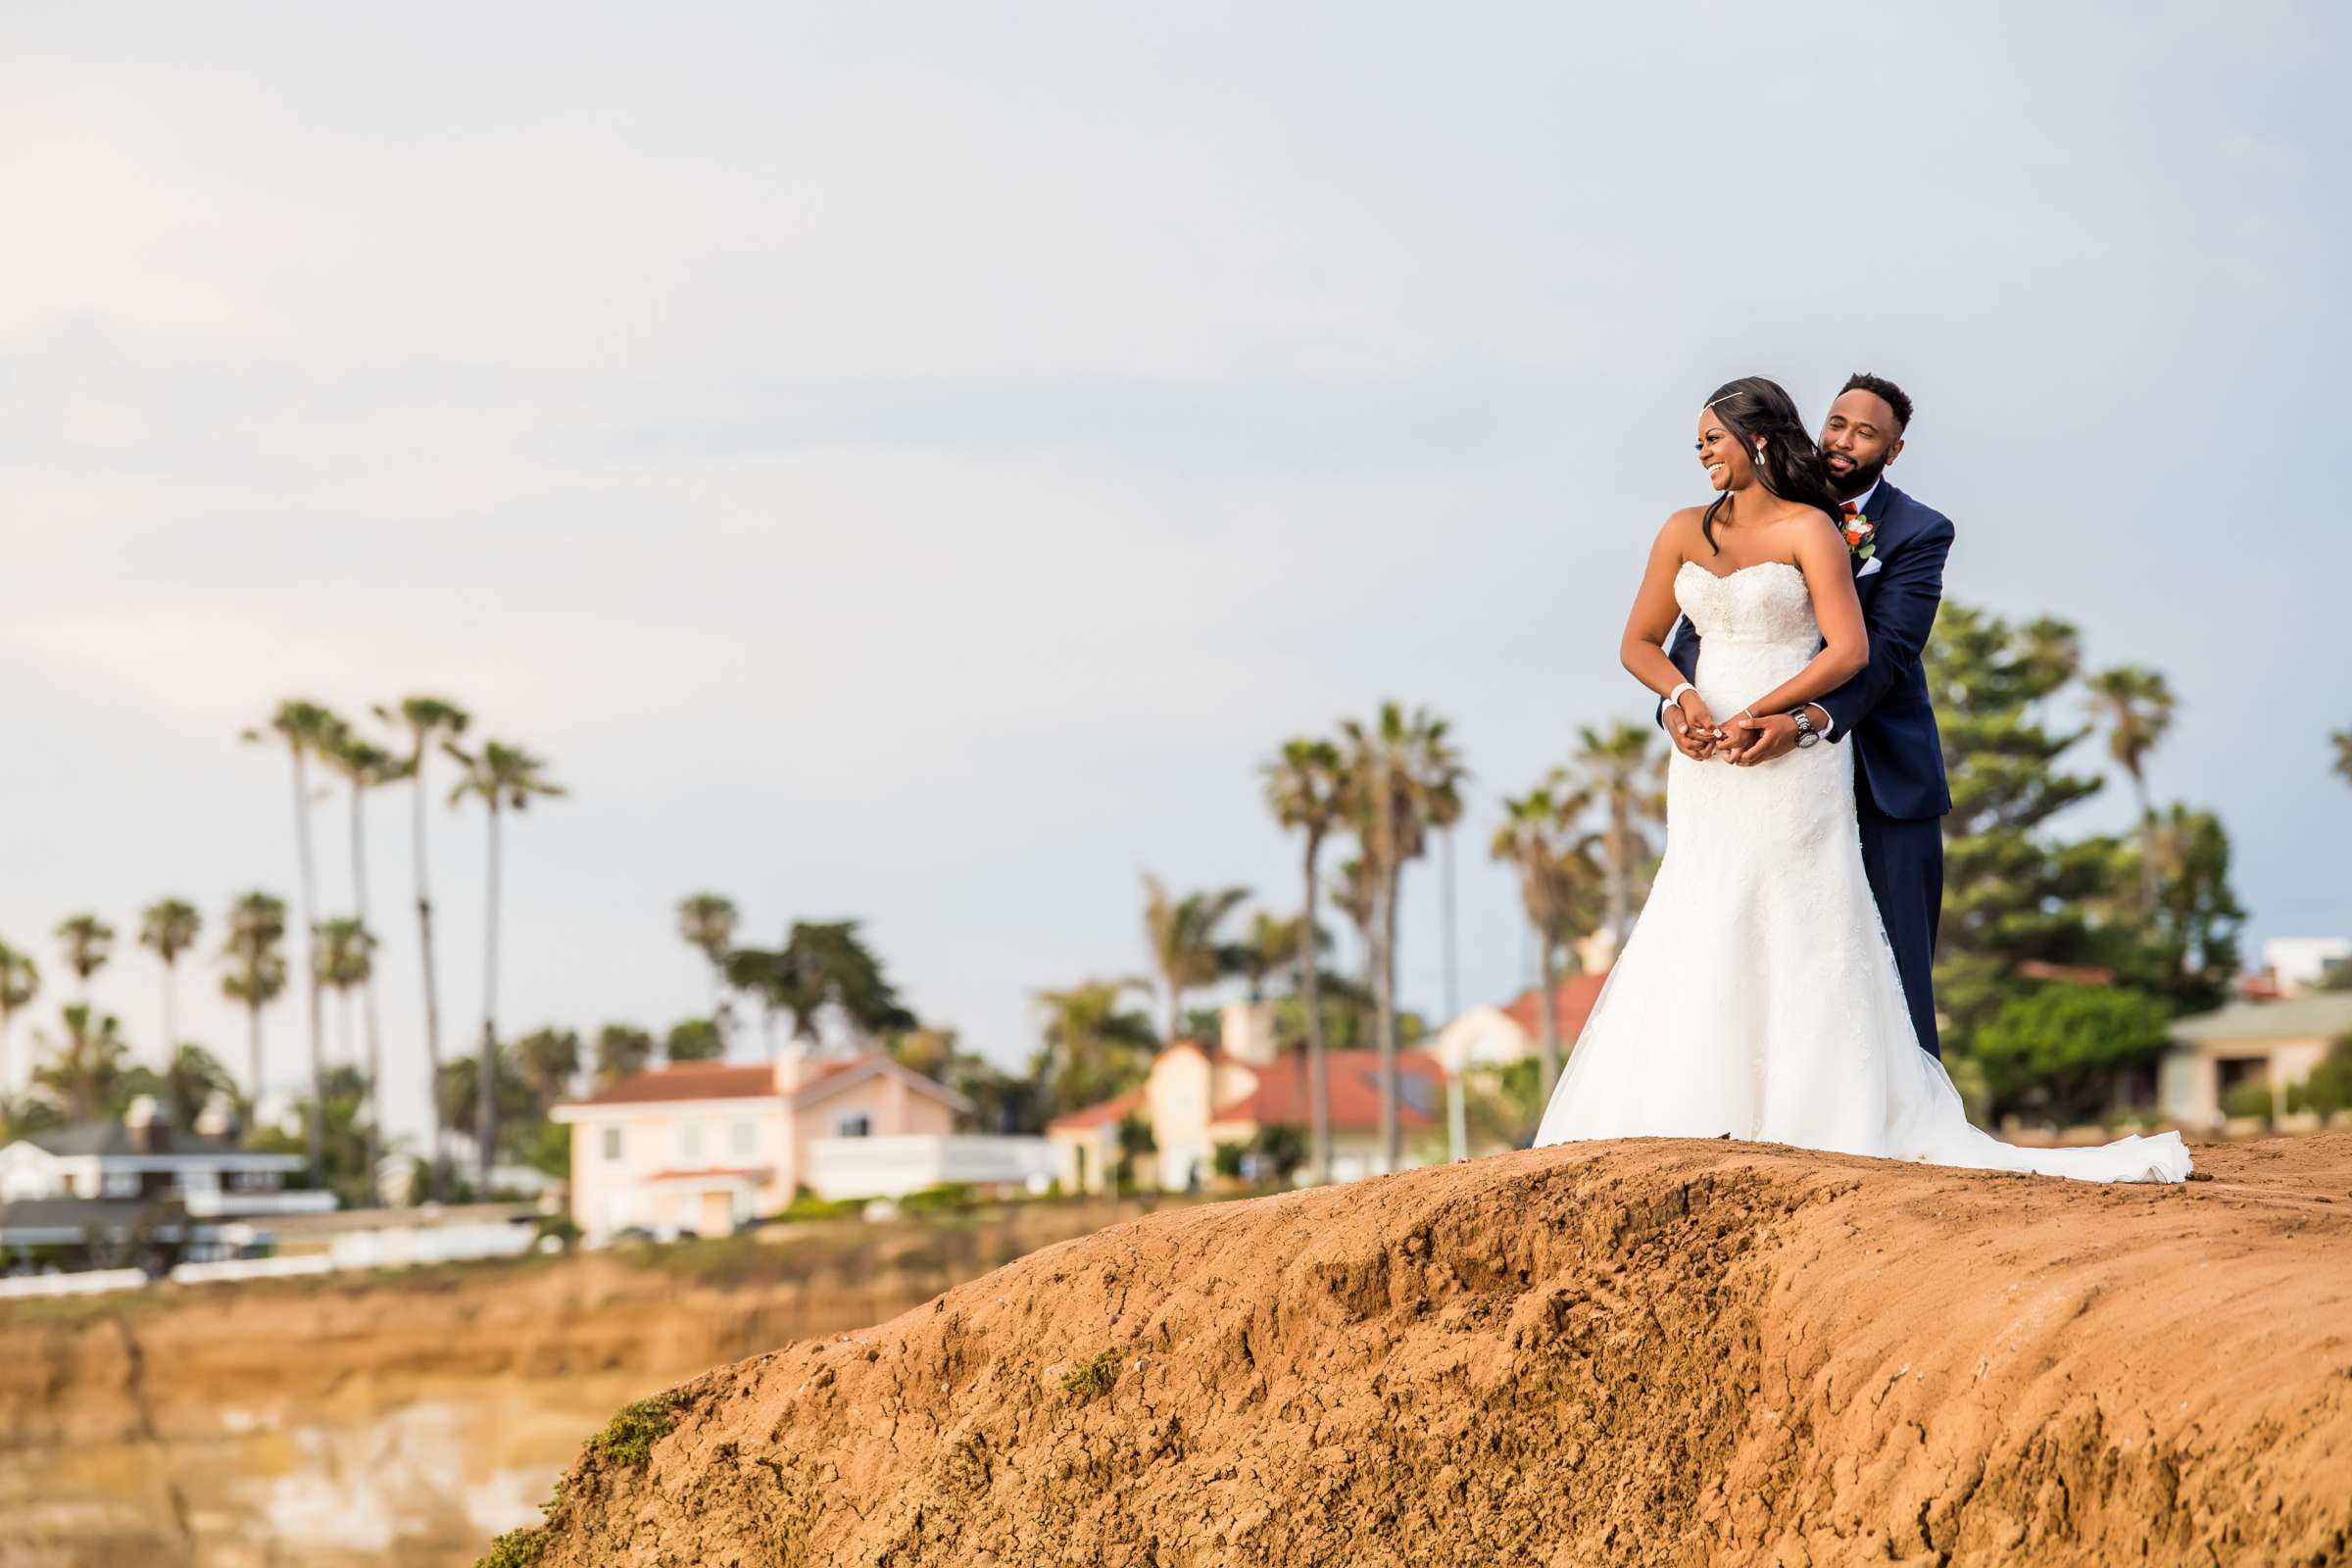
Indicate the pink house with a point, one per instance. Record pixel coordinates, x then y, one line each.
703 1146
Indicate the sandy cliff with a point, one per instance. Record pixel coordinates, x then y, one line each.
1680 1352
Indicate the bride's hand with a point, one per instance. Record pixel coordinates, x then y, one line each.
1693 728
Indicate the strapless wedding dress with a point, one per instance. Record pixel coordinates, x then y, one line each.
1757 995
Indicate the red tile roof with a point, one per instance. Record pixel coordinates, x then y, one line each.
1281 1095
1099 1113
709 1080
1571 1004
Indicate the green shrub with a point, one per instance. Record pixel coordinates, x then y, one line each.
516 1548
629 1437
807 1206
1227 1160
1094 1378
2328 1088
932 1200
2251 1097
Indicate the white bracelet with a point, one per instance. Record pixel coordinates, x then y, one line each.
1675 696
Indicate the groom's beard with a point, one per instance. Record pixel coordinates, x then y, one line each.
1856 479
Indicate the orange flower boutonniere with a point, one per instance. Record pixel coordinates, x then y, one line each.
1861 537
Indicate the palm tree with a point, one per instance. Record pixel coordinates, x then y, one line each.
89 942
363 765
89 1068
706 921
2136 705
622 1051
19 983
503 778
257 968
167 929
346 960
1183 934
1540 838
430 722
693 1040
1270 947
1405 779
190 1079
1307 788
307 730
1621 769
549 1063
1095 1045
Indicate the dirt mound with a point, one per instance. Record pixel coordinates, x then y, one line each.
1644 1353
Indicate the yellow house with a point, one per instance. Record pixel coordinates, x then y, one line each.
2272 1043
1198 1097
702 1147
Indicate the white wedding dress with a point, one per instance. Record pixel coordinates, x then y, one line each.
1757 995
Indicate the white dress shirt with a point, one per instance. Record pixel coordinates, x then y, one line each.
1860 503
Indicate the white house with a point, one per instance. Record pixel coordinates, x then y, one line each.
140 1175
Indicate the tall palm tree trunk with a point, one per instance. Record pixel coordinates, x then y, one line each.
2150 884
1318 1084
171 1020
253 1048
1547 1015
1383 968
432 996
315 1132
373 1108
1391 1136
487 1077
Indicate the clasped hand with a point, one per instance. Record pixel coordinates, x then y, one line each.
1744 740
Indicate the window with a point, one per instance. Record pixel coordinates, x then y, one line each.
687 1138
858 1126
743 1139
612 1143
122 1184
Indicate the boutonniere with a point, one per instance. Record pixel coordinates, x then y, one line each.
1861 537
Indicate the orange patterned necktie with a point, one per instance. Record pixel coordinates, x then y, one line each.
1850 510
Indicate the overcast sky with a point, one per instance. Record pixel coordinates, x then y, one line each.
914 463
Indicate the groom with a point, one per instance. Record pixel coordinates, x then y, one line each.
1898 547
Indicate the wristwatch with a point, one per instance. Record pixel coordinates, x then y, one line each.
1807 734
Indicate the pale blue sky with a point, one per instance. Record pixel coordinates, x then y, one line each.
914 463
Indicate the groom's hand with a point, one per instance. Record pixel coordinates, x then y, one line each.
1755 740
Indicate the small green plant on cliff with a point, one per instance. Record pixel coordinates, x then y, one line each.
629 1437
516 1548
1094 1378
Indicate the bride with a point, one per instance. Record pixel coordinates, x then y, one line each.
1757 995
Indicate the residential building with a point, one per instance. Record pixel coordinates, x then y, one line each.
1198 1097
167 1192
2272 1043
2294 965
704 1147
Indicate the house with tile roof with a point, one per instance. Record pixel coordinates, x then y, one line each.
702 1147
2273 1044
1196 1097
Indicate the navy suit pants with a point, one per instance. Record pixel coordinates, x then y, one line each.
1905 861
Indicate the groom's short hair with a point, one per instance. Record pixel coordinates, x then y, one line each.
1880 386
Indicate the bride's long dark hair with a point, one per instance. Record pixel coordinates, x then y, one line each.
1790 465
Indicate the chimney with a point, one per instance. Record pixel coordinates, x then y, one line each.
1246 1032
218 1119
792 1066
145 1124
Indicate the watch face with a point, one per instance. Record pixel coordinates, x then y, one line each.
1806 735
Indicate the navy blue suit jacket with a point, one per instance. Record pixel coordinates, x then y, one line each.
1884 710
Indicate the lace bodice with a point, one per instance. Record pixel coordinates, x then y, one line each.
1764 603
